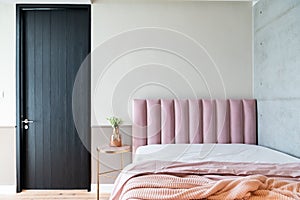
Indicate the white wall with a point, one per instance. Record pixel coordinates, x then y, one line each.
162 49
7 157
7 66
199 50
7 96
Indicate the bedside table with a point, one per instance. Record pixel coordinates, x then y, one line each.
110 150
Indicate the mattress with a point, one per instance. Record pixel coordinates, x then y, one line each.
211 152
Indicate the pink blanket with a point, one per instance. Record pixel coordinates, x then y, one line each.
208 180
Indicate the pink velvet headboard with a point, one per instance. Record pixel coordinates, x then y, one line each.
193 121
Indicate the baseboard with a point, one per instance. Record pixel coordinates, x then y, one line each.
104 188
8 189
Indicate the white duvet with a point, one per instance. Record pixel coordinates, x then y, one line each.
211 152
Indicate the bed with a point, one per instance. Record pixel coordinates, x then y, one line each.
203 149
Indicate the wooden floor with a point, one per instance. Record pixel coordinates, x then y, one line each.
54 194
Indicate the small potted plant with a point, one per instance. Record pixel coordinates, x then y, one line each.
115 140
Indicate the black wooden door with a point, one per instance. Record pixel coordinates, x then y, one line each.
55 42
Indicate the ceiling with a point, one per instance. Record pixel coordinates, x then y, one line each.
90 1
47 1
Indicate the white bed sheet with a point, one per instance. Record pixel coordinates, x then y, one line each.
211 152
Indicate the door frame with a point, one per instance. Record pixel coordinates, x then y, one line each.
19 78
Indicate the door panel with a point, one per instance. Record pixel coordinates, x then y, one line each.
55 43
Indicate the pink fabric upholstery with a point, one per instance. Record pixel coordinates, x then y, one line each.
168 122
181 121
222 115
139 126
209 123
249 121
236 121
153 121
193 121
195 125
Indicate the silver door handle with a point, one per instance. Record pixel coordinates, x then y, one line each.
27 121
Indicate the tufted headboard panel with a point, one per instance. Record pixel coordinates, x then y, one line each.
167 121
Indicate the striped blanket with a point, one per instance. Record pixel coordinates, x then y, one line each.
208 180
